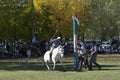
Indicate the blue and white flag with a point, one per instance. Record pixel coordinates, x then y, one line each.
75 18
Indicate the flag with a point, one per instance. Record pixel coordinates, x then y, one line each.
75 18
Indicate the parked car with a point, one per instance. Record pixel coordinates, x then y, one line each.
105 47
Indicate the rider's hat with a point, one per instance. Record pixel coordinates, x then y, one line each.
58 37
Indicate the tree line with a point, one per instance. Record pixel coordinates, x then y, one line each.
21 19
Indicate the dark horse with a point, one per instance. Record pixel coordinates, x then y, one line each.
32 49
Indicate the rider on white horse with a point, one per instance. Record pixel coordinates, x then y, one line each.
57 52
55 43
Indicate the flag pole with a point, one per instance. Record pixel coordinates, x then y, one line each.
75 23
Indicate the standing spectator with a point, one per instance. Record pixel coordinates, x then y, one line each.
17 50
93 56
35 41
46 45
8 47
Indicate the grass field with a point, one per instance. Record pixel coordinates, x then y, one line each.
10 69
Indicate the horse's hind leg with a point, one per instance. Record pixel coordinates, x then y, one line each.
47 66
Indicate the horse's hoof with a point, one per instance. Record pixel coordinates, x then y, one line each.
53 68
48 69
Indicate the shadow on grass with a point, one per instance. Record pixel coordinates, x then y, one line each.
11 66
14 66
107 67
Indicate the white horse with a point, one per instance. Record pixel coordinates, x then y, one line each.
57 54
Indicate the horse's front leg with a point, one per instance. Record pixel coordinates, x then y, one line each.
53 64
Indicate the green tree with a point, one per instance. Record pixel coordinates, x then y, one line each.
12 13
104 17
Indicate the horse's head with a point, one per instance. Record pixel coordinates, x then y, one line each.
61 50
